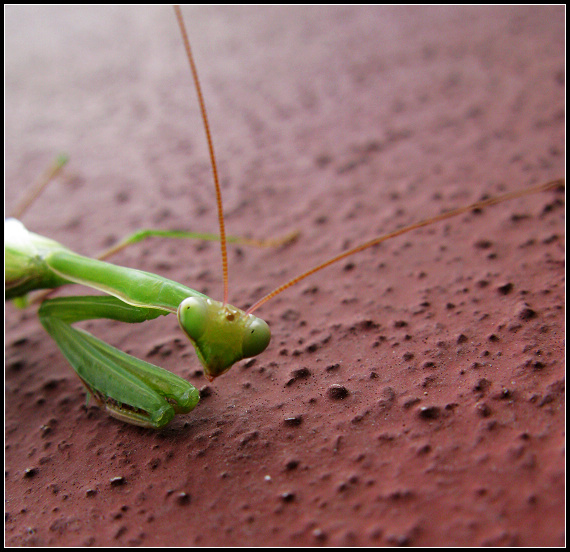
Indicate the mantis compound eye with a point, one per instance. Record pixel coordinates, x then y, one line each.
256 337
193 317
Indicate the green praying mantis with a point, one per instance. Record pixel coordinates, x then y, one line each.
128 388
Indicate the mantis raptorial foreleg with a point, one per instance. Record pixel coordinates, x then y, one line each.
128 388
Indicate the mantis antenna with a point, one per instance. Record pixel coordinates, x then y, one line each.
182 26
420 224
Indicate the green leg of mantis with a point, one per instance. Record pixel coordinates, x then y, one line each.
146 233
130 389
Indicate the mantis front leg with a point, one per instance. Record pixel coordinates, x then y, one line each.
129 389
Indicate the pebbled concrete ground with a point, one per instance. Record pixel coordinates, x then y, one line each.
413 394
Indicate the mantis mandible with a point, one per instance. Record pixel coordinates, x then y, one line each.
128 388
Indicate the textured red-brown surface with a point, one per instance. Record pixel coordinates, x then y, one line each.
342 123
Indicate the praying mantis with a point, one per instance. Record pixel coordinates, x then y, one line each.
133 390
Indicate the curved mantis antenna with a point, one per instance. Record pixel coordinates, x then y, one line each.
182 26
420 224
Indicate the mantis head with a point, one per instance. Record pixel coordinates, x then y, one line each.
221 334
